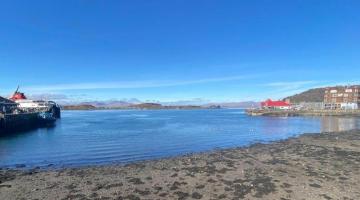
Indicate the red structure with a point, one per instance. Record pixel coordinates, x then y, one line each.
18 95
269 104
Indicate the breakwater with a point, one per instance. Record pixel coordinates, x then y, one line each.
18 122
288 113
26 114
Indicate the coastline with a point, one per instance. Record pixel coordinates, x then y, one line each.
137 107
311 166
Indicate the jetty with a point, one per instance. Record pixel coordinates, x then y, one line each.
289 113
337 101
18 122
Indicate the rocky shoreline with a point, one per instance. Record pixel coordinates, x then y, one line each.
312 166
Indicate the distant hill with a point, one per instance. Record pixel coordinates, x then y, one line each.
159 106
136 104
79 107
244 104
312 95
147 106
141 106
108 104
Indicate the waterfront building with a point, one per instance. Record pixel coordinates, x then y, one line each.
275 105
345 98
308 106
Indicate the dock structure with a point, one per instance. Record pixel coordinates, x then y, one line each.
337 101
289 113
18 122
2 122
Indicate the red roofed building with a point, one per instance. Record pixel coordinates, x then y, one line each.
275 105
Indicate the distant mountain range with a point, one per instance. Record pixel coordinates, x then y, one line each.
157 105
109 104
244 104
78 107
141 106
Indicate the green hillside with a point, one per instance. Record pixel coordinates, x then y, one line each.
312 95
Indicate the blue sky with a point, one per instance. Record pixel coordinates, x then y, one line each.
225 50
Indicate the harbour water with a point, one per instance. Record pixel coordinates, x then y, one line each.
121 136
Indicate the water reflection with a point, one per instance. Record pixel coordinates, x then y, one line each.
331 124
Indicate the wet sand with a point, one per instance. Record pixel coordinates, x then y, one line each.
312 166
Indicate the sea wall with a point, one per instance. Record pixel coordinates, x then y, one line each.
303 112
18 122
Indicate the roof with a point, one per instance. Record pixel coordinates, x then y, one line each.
271 103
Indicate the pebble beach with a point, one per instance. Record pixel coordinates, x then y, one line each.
311 166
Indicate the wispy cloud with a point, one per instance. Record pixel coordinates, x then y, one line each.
284 89
290 84
48 96
130 84
343 83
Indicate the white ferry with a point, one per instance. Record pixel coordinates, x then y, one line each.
35 105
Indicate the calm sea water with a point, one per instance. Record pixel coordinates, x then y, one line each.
103 137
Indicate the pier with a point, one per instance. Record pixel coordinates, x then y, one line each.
18 122
288 113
